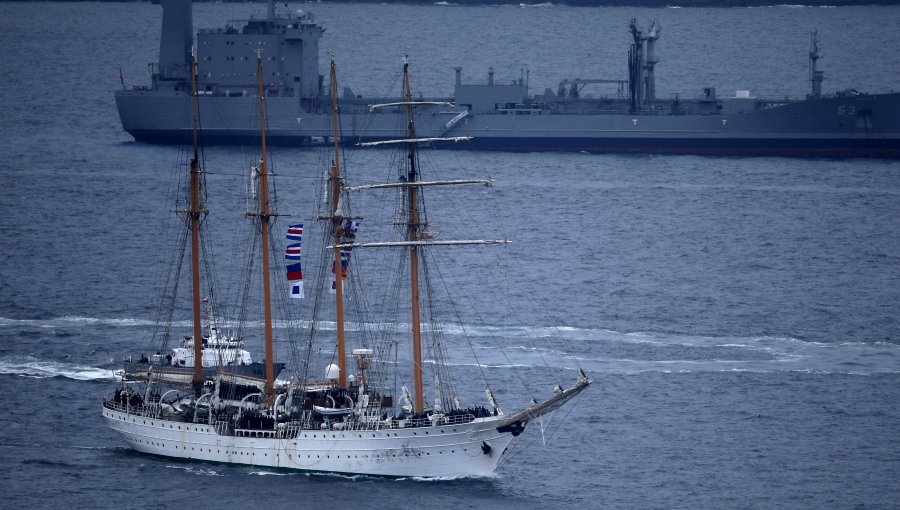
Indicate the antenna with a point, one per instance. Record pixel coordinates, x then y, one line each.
815 76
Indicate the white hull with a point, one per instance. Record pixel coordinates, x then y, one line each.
443 451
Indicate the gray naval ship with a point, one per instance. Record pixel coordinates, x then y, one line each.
496 116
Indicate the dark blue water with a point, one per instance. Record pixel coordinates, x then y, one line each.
739 316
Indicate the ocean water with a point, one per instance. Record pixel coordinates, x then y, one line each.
739 316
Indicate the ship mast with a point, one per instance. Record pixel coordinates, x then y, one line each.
337 230
410 185
264 216
412 236
195 213
815 76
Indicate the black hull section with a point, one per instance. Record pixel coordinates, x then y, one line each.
826 147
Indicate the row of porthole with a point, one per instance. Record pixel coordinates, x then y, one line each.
196 429
374 435
201 449
231 59
151 443
231 43
309 456
441 452
305 435
246 43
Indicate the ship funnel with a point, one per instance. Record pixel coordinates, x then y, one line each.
176 40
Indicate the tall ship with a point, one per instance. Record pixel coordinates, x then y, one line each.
497 116
374 412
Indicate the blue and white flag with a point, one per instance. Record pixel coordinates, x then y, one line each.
297 289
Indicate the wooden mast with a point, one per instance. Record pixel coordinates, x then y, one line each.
337 230
264 216
412 235
194 214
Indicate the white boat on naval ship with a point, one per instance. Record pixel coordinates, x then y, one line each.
345 423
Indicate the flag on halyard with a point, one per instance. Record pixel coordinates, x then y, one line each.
294 271
293 252
295 232
297 289
348 234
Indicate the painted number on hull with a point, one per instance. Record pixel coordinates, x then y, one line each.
846 110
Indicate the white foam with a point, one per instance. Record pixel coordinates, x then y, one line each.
75 321
196 470
29 366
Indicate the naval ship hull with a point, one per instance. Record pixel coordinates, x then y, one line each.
854 126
